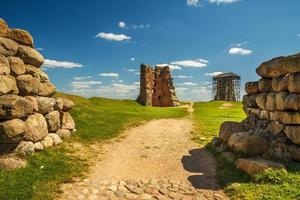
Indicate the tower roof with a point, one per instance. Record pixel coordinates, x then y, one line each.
225 75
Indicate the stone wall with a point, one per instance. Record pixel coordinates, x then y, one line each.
272 104
156 87
31 119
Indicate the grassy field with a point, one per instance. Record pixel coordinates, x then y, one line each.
278 184
97 119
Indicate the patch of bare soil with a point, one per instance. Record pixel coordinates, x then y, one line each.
225 106
156 160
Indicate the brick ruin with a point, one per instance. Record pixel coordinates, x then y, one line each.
156 87
31 119
271 130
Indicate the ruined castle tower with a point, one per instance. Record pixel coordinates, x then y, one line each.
156 87
226 87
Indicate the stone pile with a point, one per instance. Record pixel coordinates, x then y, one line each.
156 87
30 118
272 104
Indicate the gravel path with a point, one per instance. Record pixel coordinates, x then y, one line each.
156 160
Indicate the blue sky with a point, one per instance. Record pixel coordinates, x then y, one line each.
95 48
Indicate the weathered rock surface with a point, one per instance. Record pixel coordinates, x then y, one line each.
37 127
12 106
261 100
249 144
289 117
47 142
8 85
292 102
295 152
250 101
293 133
252 87
279 66
265 85
27 85
228 128
294 83
64 104
20 36
4 66
280 100
53 120
56 139
3 28
12 130
46 89
16 65
67 121
254 166
63 133
11 162
36 73
33 101
38 146
8 47
30 56
25 148
45 104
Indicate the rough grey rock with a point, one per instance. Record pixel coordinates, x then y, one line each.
30 56
228 128
37 73
45 104
4 65
20 36
24 148
47 142
38 146
8 85
56 139
64 133
12 130
16 66
64 104
27 85
53 120
293 133
8 47
37 127
46 89
67 121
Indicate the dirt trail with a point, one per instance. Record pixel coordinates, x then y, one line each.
156 160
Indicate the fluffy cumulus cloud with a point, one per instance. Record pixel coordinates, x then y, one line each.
129 69
60 64
197 63
113 37
122 24
213 74
239 51
192 3
81 78
223 1
172 67
111 74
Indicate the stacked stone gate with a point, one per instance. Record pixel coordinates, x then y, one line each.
156 87
31 119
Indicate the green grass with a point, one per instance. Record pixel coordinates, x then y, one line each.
97 119
209 116
273 184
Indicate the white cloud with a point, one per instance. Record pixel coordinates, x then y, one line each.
117 81
60 64
80 78
129 69
239 51
132 59
39 48
113 37
192 3
140 26
197 63
213 74
172 67
109 74
183 77
79 85
298 35
136 83
188 84
223 1
122 24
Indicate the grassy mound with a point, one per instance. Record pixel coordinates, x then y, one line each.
96 119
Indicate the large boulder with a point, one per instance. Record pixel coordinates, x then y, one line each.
33 100
261 100
280 100
20 36
251 87
228 128
265 85
294 82
64 104
280 83
46 89
13 106
67 121
250 100
24 148
37 127
254 166
16 66
53 121
45 104
4 66
292 102
286 117
3 28
8 85
36 73
279 66
27 85
247 143
271 101
12 130
8 47
293 133
30 56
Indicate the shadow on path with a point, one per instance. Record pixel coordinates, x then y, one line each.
201 162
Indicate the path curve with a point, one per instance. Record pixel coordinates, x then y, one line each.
156 160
